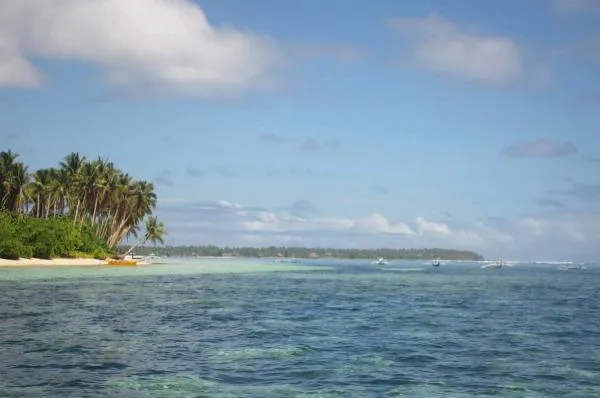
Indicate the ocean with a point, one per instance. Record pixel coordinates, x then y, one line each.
245 328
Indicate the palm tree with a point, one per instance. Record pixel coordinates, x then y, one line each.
103 170
19 180
59 188
155 232
7 161
72 164
93 192
40 191
138 201
109 202
118 208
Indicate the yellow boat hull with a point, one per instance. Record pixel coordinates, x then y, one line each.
122 263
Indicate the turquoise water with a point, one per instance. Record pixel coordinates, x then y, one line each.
336 329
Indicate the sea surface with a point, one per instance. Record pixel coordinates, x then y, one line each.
224 328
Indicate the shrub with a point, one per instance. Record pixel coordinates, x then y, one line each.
25 236
14 249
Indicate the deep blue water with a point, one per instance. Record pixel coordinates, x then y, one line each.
353 330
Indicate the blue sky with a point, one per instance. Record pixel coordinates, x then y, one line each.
461 124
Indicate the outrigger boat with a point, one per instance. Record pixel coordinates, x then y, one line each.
497 264
121 262
380 261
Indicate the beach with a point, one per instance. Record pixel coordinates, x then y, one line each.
57 262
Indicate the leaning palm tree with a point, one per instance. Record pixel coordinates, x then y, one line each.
137 201
155 232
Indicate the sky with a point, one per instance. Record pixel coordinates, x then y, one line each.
464 124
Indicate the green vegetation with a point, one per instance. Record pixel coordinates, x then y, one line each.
48 238
154 233
82 208
304 252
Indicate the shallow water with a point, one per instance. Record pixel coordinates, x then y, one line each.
251 329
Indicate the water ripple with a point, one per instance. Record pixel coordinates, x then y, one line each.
347 332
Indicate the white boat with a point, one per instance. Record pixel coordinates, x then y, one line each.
572 267
291 260
381 261
496 264
140 259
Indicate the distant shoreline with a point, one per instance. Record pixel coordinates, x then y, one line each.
306 253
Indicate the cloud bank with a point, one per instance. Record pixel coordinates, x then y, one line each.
555 234
442 47
156 45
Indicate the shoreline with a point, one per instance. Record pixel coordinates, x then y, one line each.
56 262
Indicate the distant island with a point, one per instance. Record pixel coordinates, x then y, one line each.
307 253
80 209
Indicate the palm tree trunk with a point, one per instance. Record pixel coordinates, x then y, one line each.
105 225
48 203
140 241
82 213
117 234
95 208
76 211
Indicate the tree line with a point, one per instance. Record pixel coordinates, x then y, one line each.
306 252
92 194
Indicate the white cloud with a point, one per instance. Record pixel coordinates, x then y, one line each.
160 45
375 224
568 226
549 235
442 47
534 225
15 71
228 205
425 226
493 234
378 224
561 236
333 224
236 220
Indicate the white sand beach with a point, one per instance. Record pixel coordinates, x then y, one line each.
58 262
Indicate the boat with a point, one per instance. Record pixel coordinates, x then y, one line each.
572 267
281 259
496 264
381 261
121 262
155 259
435 263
